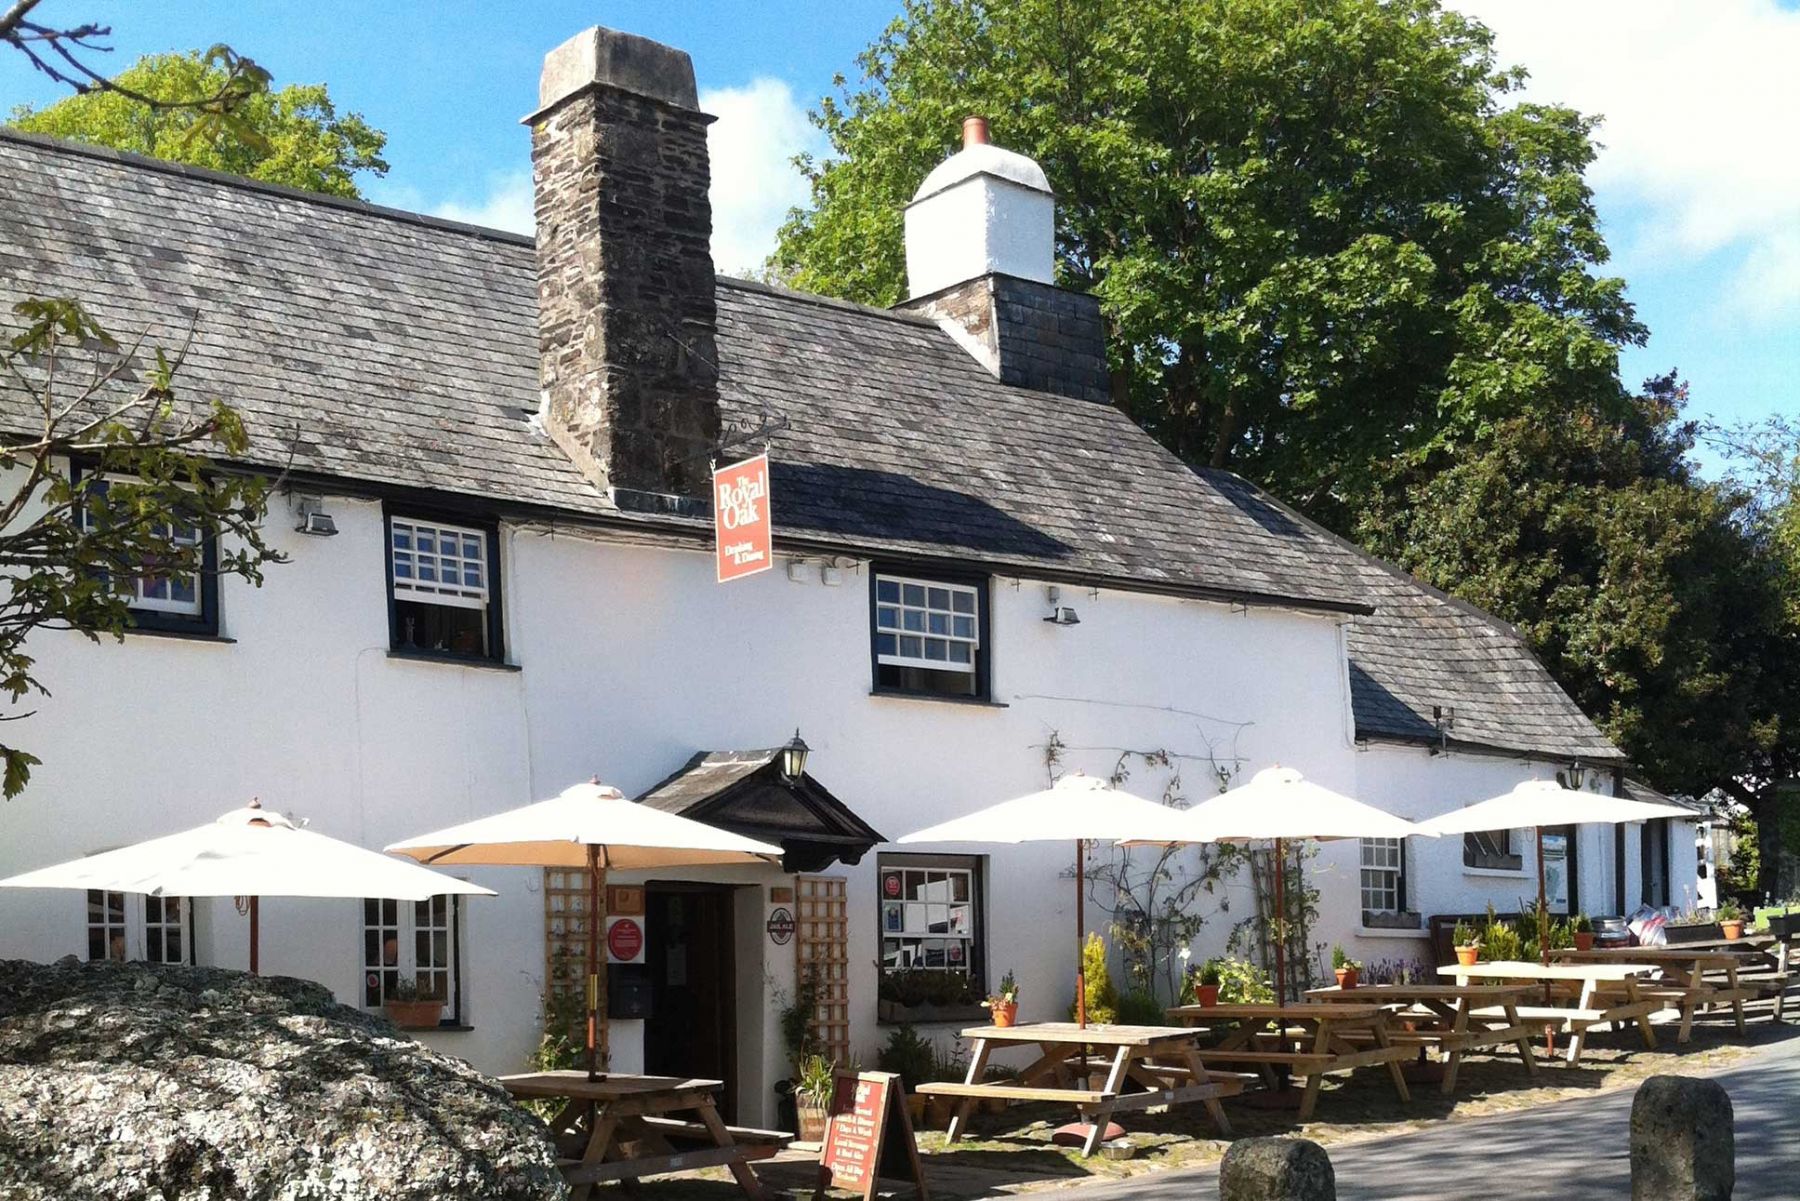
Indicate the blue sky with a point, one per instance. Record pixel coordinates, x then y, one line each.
1698 185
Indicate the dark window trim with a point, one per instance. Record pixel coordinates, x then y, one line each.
1473 856
983 584
204 624
496 631
978 864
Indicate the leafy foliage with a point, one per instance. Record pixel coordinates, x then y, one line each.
70 548
1097 981
293 136
909 1055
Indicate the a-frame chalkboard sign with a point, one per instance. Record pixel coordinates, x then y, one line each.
868 1136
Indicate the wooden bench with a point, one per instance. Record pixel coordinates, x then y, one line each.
757 1144
1015 1092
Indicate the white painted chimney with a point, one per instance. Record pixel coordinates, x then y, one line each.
982 211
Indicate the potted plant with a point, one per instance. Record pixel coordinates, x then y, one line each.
412 1008
1004 1004
1691 926
1581 929
1467 943
812 1096
1731 920
1206 988
1344 968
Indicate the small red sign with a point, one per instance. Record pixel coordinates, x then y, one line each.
742 530
624 940
890 885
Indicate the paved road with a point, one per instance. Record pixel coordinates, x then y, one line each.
1573 1149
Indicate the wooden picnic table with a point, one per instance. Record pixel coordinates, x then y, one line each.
1685 986
1307 1039
1777 951
1146 1067
621 1127
1602 993
1454 1018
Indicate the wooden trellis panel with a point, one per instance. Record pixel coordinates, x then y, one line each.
822 948
565 931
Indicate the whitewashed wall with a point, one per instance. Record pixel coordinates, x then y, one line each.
632 659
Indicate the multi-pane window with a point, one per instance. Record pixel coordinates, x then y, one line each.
928 635
159 596
1383 867
443 588
930 913
414 941
1491 849
149 929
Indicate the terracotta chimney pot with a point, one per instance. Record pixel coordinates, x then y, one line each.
975 131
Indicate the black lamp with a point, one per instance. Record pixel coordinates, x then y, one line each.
793 757
1576 774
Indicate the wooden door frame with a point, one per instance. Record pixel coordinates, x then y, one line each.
727 894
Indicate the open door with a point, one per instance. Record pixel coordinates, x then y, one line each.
689 955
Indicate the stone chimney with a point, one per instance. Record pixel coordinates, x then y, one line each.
626 325
980 256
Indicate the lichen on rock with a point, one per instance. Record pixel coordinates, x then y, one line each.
150 1083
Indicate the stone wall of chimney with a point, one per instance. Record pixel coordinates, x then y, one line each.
1030 335
627 327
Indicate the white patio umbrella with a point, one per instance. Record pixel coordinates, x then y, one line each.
1078 809
1279 803
1535 804
591 825
249 852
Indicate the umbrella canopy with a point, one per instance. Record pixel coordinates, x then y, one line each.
249 852
1547 803
1535 804
1078 809
591 825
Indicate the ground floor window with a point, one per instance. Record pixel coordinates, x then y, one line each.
1383 875
414 941
122 926
1492 849
931 924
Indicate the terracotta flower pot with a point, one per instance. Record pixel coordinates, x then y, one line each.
915 1108
1732 930
414 1015
1005 1012
1346 977
939 1111
1206 994
1584 940
1469 956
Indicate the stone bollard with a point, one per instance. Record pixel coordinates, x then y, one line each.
1681 1141
1276 1169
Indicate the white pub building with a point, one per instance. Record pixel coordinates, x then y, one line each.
983 574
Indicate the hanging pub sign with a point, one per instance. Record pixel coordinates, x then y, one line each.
868 1136
742 529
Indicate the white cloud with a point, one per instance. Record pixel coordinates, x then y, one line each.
507 205
760 128
1700 102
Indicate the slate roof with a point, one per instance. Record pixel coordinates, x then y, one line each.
371 346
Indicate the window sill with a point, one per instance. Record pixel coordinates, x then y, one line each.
182 635
1389 932
452 660
1496 873
899 694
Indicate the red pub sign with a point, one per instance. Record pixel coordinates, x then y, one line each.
742 530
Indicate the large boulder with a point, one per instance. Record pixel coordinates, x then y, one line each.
146 1083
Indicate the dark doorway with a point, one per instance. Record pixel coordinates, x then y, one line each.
688 953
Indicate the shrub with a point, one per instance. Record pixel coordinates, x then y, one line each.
908 1055
1102 997
1139 1008
1241 982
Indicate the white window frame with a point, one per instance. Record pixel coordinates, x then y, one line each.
944 624
417 953
181 536
931 922
133 917
406 565
1381 879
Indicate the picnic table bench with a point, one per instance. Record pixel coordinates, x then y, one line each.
1453 1018
1775 951
1145 1068
1327 1038
620 1127
1603 994
1684 969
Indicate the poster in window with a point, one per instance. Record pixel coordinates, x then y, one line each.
742 530
893 918
955 951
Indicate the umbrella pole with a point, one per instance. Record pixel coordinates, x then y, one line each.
1543 912
598 1051
1280 928
255 935
1080 934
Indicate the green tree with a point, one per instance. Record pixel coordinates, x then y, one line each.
293 136
1320 238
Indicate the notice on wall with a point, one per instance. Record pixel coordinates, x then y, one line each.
868 1136
743 533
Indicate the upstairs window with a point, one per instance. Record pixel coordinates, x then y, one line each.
163 599
930 635
443 588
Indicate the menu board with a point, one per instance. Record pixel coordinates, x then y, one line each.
868 1135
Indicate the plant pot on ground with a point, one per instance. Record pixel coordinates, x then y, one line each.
812 1096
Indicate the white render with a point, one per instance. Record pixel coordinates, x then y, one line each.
984 210
631 658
